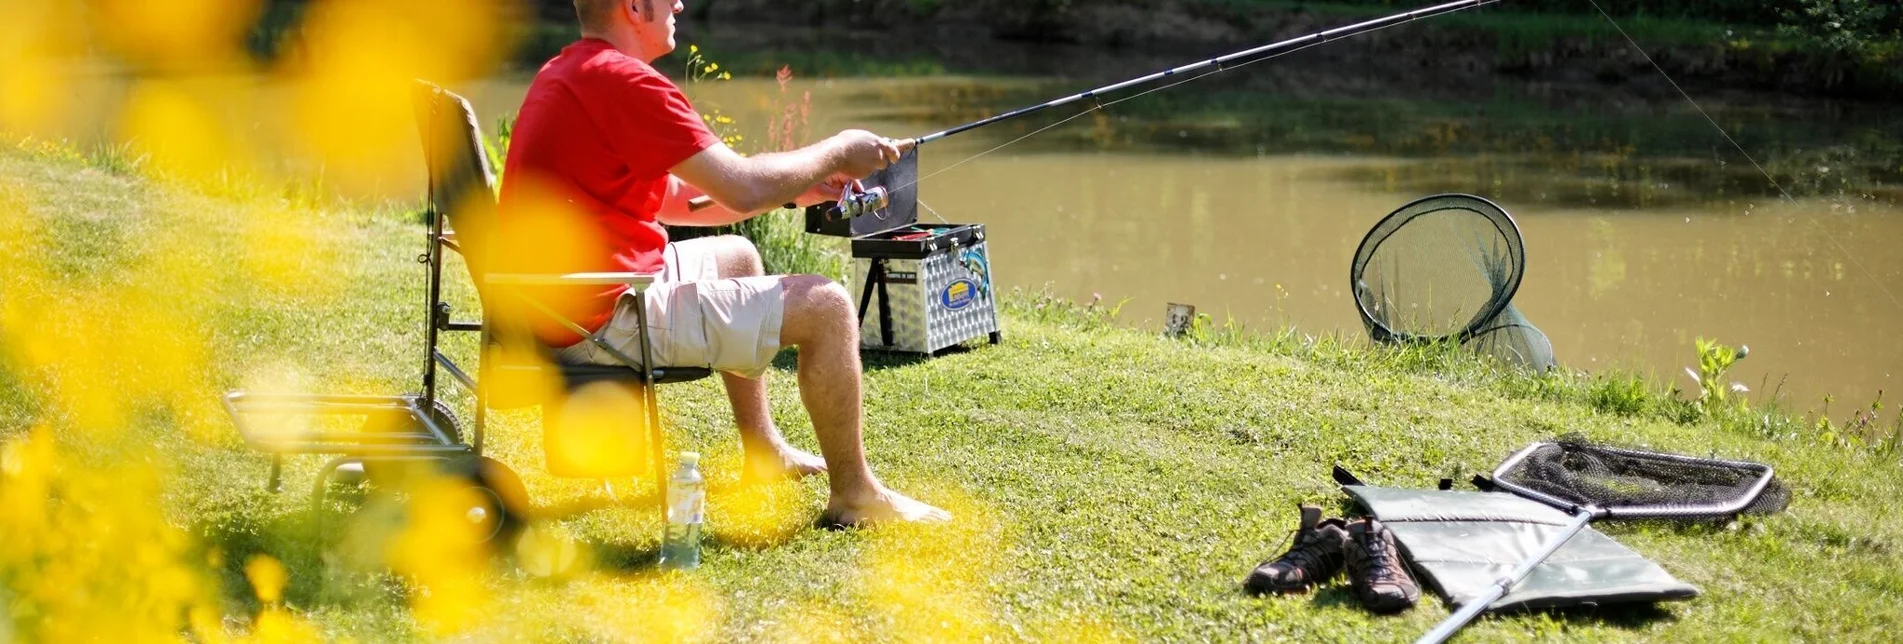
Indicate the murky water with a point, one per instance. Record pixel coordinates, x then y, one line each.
1246 196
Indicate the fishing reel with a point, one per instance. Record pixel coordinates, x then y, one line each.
855 199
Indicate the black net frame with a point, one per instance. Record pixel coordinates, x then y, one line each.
1378 296
1619 483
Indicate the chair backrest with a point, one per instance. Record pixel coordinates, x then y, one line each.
461 183
462 197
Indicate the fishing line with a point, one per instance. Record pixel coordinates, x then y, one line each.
1747 155
1000 147
934 211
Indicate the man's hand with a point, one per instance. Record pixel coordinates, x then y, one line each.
743 186
863 153
825 191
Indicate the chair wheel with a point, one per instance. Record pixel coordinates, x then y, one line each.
503 503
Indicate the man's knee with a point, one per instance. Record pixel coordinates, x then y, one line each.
739 257
817 307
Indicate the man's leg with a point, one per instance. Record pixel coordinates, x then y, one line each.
818 318
768 455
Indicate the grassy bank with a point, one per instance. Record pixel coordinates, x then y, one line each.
1110 484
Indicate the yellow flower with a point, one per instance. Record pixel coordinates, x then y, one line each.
267 578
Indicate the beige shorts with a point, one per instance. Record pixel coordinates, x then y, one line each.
696 319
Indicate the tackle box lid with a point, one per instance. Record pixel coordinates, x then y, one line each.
901 183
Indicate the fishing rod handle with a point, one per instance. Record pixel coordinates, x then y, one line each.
703 202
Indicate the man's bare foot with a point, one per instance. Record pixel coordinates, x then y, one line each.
882 506
780 462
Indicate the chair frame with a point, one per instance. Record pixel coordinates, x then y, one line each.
435 436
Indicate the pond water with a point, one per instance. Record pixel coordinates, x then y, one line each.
1246 194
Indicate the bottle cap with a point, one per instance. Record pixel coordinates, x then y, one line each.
690 458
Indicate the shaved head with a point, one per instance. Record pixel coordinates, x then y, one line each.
598 15
642 28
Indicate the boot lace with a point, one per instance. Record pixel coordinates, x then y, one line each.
1375 565
1307 554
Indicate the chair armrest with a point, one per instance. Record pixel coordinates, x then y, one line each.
637 280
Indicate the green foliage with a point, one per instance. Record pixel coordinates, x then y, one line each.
1840 25
121 158
1714 360
1624 395
496 146
1047 308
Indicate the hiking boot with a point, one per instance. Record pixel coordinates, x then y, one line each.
1376 571
1315 557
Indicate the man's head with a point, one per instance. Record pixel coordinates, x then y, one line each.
641 28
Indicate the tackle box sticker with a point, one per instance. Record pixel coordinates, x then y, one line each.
959 294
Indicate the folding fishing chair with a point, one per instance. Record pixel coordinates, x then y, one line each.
461 217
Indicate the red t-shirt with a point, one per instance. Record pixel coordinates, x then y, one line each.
587 171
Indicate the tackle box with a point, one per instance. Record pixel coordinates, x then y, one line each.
921 288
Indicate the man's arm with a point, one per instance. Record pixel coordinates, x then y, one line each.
744 186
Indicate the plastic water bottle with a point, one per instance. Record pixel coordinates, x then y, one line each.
686 498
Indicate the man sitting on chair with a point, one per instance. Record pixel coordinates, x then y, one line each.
611 141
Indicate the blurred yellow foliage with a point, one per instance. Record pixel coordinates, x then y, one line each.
89 555
548 551
179 124
175 33
597 431
267 577
353 78
34 39
440 550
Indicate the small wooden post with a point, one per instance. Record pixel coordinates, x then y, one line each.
1177 318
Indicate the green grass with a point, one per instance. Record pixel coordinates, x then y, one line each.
1109 482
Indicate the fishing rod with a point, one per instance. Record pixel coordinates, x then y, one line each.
1221 63
854 200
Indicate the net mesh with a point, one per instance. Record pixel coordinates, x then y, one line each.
1437 268
1666 485
1511 339
1443 268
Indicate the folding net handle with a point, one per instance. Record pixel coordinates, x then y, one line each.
1614 509
1585 509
